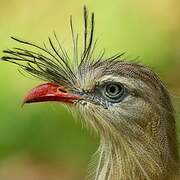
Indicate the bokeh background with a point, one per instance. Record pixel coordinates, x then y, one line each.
42 141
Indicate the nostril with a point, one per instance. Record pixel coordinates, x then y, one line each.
62 90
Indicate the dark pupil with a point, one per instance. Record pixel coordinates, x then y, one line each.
113 89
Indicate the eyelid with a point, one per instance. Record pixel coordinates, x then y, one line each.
101 83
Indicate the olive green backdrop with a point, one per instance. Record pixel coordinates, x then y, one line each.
145 29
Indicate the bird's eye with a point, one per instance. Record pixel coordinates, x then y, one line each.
114 92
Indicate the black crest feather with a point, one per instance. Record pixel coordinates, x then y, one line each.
53 63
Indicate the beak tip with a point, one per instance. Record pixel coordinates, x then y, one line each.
22 104
26 101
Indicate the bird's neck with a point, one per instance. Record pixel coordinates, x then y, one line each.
127 160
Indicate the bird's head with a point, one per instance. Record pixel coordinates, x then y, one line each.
112 96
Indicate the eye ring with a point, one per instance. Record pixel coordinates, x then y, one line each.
114 92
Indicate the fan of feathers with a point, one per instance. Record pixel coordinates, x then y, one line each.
52 63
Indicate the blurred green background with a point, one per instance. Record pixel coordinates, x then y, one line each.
42 140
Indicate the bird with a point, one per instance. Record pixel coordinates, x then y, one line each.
123 101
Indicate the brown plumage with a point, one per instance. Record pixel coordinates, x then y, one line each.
125 102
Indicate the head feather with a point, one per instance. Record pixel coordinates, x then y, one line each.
53 63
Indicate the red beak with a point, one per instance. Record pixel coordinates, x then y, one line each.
50 92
